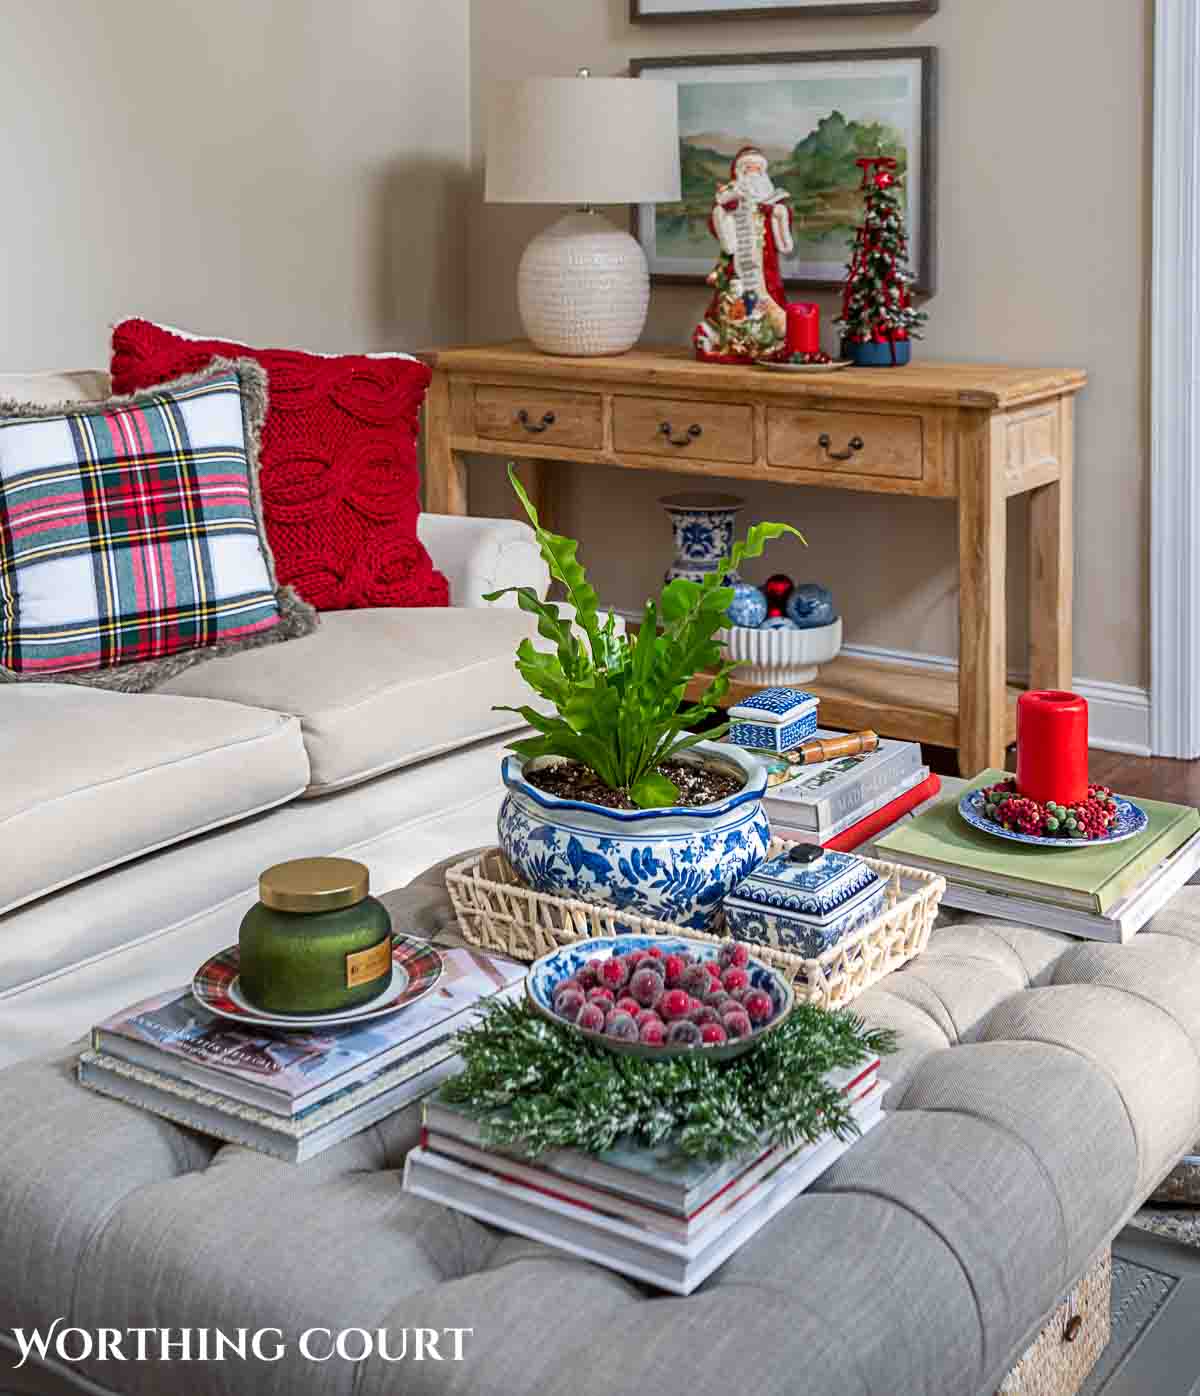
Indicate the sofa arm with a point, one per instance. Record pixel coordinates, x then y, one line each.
482 555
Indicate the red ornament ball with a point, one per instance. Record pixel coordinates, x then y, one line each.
777 589
674 1004
712 1034
884 180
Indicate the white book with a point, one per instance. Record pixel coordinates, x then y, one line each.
1120 923
677 1267
829 793
782 828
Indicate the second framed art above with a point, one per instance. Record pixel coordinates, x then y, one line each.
647 10
812 115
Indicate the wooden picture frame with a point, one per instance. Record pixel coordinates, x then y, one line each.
644 11
677 245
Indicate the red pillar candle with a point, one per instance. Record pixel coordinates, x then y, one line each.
803 328
1052 747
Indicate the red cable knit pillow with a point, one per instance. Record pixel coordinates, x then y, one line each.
339 477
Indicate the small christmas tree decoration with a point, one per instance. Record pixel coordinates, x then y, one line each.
878 318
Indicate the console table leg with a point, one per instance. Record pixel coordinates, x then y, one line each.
982 657
445 470
1051 570
538 482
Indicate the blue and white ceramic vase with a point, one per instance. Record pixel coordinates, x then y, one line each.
675 864
703 527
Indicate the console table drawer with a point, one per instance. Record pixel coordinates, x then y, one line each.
854 443
677 427
543 415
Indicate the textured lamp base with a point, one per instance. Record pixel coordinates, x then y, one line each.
583 287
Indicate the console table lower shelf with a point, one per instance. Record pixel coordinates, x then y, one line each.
895 700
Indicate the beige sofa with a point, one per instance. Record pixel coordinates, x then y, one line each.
134 826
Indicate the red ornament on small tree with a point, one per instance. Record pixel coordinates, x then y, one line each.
877 311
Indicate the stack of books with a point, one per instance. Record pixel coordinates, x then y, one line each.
647 1213
844 802
1101 892
290 1094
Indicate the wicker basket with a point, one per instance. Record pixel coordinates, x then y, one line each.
498 912
1058 1361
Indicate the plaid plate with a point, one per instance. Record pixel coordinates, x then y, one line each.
129 532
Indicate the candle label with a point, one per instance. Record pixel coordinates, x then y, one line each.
370 964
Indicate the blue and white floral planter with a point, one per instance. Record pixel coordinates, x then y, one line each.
674 864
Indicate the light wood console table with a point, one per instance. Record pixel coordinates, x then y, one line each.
969 432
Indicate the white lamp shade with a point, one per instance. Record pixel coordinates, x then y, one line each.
583 141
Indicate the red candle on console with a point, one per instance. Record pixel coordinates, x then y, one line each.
1052 747
803 328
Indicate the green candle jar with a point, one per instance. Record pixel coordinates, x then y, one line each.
315 942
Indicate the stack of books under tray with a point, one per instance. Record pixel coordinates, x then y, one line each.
290 1094
1106 892
647 1213
843 803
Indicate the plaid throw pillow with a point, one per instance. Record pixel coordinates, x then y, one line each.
130 533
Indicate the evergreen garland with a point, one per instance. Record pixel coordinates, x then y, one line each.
876 302
541 1086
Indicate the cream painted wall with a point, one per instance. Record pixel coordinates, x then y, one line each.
291 171
1044 256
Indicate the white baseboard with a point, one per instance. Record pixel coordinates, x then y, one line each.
1118 713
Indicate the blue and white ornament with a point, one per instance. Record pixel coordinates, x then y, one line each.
748 607
810 606
778 623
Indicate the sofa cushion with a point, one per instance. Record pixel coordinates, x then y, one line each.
93 778
56 385
375 690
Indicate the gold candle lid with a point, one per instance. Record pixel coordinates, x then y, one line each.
314 884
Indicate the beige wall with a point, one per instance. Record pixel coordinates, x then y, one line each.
283 170
1044 255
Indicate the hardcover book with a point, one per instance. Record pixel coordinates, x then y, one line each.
288 1072
1089 879
817 799
659 1177
673 1265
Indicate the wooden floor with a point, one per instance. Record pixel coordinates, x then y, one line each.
1156 777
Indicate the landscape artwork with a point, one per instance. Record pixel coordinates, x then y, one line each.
641 10
812 116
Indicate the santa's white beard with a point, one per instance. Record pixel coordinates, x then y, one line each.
756 186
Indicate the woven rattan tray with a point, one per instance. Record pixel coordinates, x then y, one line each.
498 912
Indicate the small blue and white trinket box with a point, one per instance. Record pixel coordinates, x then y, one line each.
776 719
805 900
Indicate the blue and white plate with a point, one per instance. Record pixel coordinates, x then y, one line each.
1131 821
546 974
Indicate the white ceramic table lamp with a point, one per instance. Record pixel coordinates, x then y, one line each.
583 286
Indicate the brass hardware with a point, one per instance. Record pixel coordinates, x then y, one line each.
547 421
692 433
314 884
1073 1328
825 441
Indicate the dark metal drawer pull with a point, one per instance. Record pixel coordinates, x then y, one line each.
523 418
825 441
692 433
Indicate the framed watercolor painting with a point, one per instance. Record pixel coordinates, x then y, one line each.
640 10
812 115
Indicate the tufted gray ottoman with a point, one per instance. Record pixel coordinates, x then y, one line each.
1042 1088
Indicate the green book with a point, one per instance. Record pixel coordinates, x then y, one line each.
1088 879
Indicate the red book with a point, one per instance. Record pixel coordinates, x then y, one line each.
876 823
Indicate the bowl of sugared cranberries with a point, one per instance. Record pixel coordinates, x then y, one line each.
661 996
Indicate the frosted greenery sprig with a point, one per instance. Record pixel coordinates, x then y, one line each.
540 1086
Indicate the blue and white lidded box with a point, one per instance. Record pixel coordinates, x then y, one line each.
805 900
774 719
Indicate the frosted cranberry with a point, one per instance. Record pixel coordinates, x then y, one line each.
621 1026
673 1004
586 977
656 952
647 1015
602 997
591 1018
696 980
704 1014
652 1032
674 966
646 987
614 973
683 1034
568 1003
737 1024
628 1005
713 968
735 979
712 1033
758 1006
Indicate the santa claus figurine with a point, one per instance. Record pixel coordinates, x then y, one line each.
747 318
